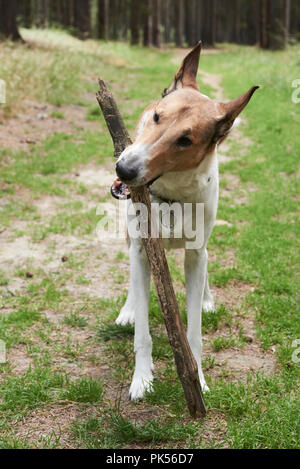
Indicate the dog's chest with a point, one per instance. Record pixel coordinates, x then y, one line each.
179 202
195 185
185 203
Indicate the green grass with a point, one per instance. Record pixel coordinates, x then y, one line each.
75 320
36 387
118 431
83 390
221 343
3 279
57 114
64 334
261 413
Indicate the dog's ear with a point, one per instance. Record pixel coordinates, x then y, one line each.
187 72
228 113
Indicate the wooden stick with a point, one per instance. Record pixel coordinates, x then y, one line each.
185 362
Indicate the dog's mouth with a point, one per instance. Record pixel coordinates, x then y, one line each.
119 190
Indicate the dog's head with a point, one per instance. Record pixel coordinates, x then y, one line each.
179 131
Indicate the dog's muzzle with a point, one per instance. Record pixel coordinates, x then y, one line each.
126 172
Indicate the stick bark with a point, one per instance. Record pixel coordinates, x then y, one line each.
187 368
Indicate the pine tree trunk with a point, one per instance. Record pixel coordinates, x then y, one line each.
263 35
166 7
295 20
56 12
45 13
103 19
115 19
198 21
272 20
66 13
147 23
8 20
82 18
287 18
157 23
190 22
135 21
179 18
237 22
208 23
26 12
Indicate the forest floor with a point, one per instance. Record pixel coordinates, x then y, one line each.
65 380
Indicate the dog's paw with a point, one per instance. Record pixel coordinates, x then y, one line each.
203 384
208 306
125 317
139 386
204 387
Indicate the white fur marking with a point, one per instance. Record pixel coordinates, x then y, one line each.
142 123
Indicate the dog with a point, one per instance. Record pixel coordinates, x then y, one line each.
175 154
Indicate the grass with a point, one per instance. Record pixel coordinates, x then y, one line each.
57 114
64 349
36 387
83 390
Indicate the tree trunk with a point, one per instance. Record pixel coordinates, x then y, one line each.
295 21
208 23
277 30
82 18
262 24
190 22
157 23
25 10
66 13
273 24
8 21
179 18
287 18
55 12
114 8
198 14
135 22
166 14
45 13
147 23
103 19
237 22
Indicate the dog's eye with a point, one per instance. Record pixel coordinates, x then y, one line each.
156 117
184 142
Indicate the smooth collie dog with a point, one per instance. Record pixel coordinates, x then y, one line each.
175 152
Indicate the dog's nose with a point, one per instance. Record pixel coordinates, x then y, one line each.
125 171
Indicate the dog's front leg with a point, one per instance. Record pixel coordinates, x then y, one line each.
136 309
195 265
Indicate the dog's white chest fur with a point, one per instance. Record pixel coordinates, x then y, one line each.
192 187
